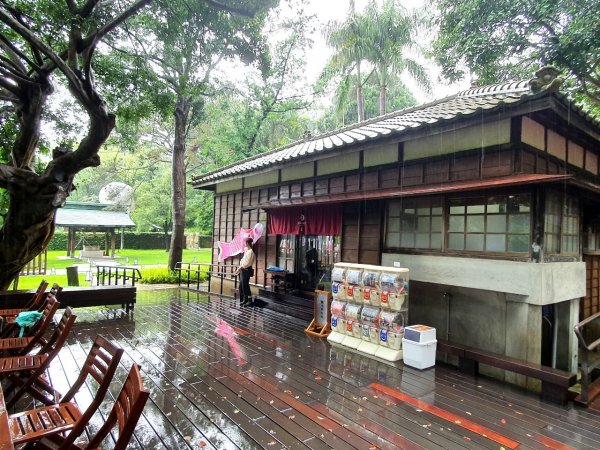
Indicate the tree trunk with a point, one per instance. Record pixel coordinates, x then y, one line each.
182 111
382 99
360 99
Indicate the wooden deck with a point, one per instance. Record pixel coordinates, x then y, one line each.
228 378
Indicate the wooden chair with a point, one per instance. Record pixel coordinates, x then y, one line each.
11 329
125 414
36 305
15 346
36 299
26 373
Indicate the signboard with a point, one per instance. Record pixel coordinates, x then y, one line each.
320 325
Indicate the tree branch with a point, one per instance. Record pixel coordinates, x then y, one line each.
131 11
11 49
12 88
222 7
32 39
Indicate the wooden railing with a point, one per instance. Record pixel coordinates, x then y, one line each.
190 274
115 275
37 266
588 342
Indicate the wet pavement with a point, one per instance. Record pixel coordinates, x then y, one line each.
223 377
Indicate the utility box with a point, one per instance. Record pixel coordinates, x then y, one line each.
419 333
419 345
72 276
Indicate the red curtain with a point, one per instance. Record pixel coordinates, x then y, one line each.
319 220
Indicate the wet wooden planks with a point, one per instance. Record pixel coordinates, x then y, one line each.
257 381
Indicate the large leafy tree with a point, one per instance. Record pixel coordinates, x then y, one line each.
500 39
180 43
39 42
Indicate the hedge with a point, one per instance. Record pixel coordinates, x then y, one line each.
133 241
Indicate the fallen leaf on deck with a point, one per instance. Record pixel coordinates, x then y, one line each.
202 444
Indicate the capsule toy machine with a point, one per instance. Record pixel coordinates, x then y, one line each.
353 326
338 321
394 289
338 283
370 330
390 335
338 316
354 290
371 289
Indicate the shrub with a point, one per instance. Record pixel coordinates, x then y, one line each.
159 275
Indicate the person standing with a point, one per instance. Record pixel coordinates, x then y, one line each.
245 271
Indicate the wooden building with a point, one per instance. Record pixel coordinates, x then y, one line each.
490 197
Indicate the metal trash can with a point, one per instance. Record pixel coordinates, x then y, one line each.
72 276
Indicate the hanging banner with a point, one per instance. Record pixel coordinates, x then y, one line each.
236 246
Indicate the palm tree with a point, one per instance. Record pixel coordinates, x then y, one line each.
388 38
348 43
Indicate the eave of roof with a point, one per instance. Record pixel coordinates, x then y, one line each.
464 104
93 218
414 191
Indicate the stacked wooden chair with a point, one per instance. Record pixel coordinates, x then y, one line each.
26 373
58 426
37 303
14 346
36 299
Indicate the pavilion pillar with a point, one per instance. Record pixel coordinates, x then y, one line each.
70 242
113 242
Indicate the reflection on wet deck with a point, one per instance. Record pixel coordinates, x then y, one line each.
223 377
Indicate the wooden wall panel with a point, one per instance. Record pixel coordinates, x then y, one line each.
273 193
389 178
496 164
370 181
411 174
352 183
296 190
465 167
370 233
284 191
527 162
436 171
308 189
336 185
590 304
322 187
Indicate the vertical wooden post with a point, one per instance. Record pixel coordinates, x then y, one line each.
113 242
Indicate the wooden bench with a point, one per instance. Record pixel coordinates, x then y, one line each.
80 297
555 382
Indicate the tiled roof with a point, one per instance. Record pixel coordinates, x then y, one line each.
463 104
92 215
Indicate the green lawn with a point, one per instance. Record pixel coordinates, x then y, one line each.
57 259
145 258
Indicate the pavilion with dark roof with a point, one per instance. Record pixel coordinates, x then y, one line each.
491 197
92 217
